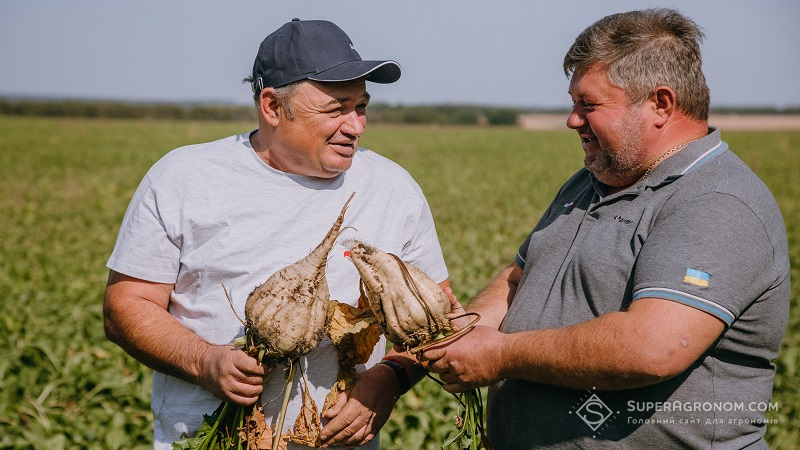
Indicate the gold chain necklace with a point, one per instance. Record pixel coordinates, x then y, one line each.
664 155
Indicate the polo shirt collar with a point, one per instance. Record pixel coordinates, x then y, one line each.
688 159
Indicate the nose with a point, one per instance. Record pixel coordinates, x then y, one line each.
354 123
575 119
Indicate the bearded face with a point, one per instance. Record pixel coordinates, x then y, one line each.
618 155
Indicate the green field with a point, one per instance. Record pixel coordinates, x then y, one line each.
65 184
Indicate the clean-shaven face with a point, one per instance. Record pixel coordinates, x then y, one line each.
329 119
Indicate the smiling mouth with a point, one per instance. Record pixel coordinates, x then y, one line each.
586 136
344 149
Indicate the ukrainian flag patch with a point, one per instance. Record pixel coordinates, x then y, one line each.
696 277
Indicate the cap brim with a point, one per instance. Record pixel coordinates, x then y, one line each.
376 71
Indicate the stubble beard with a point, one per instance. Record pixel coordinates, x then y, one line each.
620 164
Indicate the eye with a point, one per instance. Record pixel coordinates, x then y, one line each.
584 105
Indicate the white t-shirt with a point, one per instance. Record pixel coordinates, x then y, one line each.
212 214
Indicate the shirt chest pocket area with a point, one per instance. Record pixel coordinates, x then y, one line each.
603 256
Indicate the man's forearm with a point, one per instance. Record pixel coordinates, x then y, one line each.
651 342
152 336
492 302
576 357
136 318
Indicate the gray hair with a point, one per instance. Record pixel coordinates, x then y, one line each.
284 94
643 50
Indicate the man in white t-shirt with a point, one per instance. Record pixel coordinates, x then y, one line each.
235 211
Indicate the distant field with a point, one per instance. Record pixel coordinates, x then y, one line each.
729 122
65 184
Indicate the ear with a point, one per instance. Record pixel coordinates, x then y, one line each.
269 106
663 99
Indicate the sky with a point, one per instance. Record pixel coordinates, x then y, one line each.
498 53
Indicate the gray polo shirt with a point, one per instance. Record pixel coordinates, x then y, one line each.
702 230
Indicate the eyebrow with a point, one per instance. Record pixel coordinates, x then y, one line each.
344 99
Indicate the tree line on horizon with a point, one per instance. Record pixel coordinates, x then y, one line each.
378 112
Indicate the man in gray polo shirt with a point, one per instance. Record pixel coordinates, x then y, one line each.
648 305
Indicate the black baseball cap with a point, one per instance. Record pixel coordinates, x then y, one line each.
315 50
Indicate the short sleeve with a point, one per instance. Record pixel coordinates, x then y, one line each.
523 251
548 216
710 252
423 249
143 248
